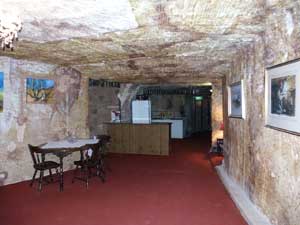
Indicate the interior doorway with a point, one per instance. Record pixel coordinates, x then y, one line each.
201 114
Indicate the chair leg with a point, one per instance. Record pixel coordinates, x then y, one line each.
41 179
86 169
103 177
106 165
51 177
101 170
74 175
57 173
33 178
89 172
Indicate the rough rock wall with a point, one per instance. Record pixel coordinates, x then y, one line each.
265 161
216 111
102 100
239 144
183 106
22 123
127 93
168 106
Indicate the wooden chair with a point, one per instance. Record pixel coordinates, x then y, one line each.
105 140
39 164
90 159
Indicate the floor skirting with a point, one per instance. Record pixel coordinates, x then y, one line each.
248 210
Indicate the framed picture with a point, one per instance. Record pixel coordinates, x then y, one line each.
1 91
283 97
236 100
39 90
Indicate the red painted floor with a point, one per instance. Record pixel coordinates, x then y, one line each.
182 189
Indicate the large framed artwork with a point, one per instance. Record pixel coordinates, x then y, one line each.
39 90
1 91
283 97
236 100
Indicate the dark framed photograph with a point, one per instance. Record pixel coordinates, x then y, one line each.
236 100
282 97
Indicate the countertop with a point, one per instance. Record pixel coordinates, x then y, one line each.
152 123
175 118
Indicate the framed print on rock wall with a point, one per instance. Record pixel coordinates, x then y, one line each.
236 100
283 97
39 90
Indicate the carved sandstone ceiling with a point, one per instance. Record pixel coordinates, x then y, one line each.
137 40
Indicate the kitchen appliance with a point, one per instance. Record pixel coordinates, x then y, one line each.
141 111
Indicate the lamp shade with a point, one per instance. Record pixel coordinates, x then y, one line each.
222 126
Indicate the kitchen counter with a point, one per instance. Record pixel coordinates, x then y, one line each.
169 118
153 122
178 126
129 138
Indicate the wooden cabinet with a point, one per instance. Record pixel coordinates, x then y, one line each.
150 139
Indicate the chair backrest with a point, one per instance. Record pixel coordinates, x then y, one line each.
37 154
92 152
105 141
104 138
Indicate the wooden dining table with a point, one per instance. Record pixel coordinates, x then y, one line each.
63 148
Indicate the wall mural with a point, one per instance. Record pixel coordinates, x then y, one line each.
1 90
67 89
39 90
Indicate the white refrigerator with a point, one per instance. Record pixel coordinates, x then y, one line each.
141 111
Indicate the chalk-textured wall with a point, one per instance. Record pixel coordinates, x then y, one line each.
216 111
102 100
183 106
22 123
264 161
168 106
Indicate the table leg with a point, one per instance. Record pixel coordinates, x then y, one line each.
61 171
